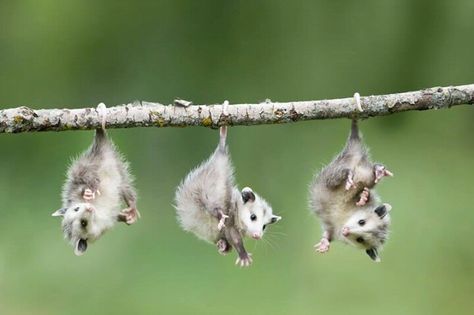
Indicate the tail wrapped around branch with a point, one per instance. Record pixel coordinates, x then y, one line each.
100 133
223 129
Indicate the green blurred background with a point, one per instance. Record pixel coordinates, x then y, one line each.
79 53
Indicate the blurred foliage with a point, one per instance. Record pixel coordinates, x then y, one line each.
78 53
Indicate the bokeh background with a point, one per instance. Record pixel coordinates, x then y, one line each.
79 53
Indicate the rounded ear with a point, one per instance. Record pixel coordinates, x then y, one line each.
81 247
275 218
248 195
383 210
373 254
59 212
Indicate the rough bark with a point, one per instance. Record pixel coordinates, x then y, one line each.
147 114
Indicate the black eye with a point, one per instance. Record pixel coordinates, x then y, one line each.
83 223
76 209
361 222
360 240
263 229
253 217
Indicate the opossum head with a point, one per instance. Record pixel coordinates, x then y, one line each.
81 225
255 214
368 229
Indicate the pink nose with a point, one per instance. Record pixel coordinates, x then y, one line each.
345 231
256 236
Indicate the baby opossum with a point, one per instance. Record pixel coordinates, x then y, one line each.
209 204
342 196
96 182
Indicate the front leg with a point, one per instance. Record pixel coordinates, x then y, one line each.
364 197
218 213
129 215
350 180
221 216
90 194
323 245
85 183
235 239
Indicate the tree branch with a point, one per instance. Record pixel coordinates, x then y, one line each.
146 114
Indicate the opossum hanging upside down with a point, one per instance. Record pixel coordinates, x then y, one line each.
96 184
342 195
209 204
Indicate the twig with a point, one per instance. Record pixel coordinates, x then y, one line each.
146 114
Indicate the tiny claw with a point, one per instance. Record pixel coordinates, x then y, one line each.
245 261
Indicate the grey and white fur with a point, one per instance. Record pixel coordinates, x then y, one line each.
342 195
209 204
97 182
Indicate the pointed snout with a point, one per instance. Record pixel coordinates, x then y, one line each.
346 231
256 236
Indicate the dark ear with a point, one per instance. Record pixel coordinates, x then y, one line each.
81 247
374 254
59 212
247 194
275 218
383 210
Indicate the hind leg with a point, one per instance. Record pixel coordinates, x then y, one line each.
381 171
129 215
223 247
337 176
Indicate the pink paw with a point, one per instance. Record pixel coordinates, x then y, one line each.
222 247
88 195
244 260
380 172
129 215
323 246
221 223
364 197
350 181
